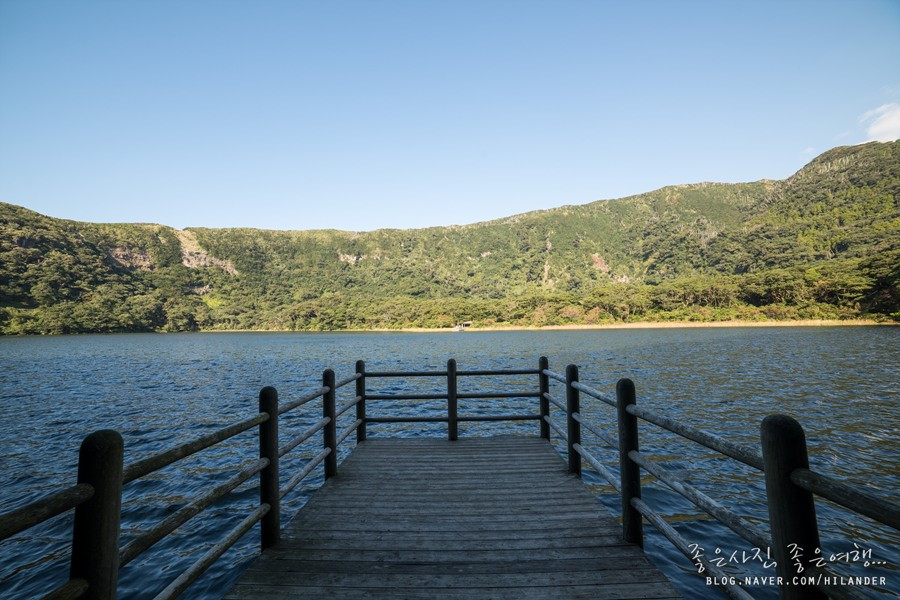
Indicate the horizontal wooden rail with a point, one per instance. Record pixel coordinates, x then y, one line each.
406 419
344 408
312 464
555 402
857 500
499 372
304 436
593 393
599 467
556 376
460 373
72 589
729 518
732 589
473 418
405 374
46 508
287 406
159 531
161 460
608 439
488 395
212 555
748 456
347 380
346 433
406 396
556 427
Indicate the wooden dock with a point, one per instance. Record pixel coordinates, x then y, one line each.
493 517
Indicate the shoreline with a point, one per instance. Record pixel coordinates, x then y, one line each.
599 326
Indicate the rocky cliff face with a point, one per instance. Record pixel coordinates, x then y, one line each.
195 257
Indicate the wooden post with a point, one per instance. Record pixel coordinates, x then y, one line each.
792 510
630 471
269 485
330 430
544 388
361 404
452 416
95 535
573 406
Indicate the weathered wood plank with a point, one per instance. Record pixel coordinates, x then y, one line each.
473 518
387 533
530 565
387 543
457 580
454 555
634 591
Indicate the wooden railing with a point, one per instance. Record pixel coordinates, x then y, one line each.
453 396
791 488
96 557
96 498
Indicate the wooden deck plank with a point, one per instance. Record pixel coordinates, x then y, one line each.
530 565
476 518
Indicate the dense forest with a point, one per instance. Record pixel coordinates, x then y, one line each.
822 244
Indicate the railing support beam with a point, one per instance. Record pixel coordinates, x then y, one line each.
629 471
452 408
330 430
361 403
269 484
792 510
95 534
544 389
573 406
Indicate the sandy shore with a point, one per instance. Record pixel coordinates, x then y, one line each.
636 325
645 325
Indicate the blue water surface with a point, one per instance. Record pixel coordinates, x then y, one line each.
162 390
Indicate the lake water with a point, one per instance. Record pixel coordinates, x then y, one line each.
841 383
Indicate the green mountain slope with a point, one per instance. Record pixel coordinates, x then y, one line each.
821 244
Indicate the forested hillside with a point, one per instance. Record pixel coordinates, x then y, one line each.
824 243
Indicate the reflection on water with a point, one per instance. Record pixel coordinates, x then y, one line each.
160 390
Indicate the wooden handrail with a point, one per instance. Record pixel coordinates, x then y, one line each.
748 456
46 508
498 372
139 545
304 436
801 481
347 380
193 572
73 589
158 461
857 500
288 406
405 374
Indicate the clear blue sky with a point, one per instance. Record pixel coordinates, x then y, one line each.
360 115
